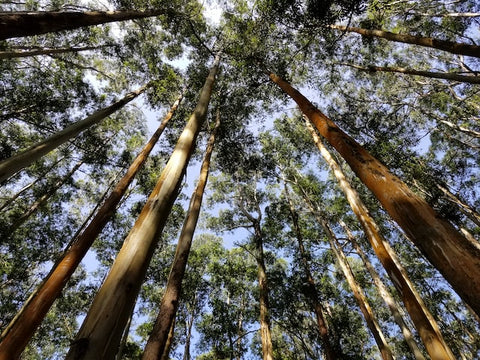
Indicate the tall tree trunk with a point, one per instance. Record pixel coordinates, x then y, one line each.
438 240
394 307
429 74
266 336
11 165
20 330
124 339
421 316
358 293
101 330
43 199
11 54
19 24
188 338
168 308
449 46
311 291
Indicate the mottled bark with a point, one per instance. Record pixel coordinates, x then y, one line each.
10 166
449 46
437 239
430 74
101 330
156 343
421 316
19 332
19 24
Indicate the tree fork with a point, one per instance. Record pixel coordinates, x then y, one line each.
437 239
21 329
448 46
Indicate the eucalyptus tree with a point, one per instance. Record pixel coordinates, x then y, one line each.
226 323
37 306
95 338
156 344
246 201
401 203
18 24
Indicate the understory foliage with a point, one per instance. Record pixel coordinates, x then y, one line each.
266 174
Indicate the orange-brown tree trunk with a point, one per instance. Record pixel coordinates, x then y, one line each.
449 46
392 304
430 74
157 341
421 316
358 293
19 24
438 240
20 330
11 165
311 291
101 331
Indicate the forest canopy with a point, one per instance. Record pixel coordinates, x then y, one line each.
239 179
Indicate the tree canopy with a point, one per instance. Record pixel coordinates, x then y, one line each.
340 219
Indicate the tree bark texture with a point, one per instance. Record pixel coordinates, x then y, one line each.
20 24
437 239
101 330
157 341
420 315
449 46
19 332
11 165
